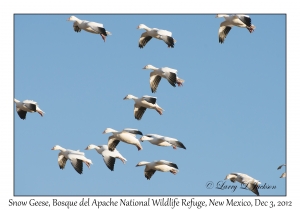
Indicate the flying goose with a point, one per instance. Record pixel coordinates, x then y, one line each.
284 174
160 165
127 135
164 72
243 21
141 104
160 34
109 157
279 167
76 158
251 183
162 141
92 27
27 106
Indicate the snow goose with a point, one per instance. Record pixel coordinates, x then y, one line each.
160 34
109 157
279 167
251 183
76 158
27 106
160 165
92 27
162 141
243 21
284 174
164 72
127 135
141 104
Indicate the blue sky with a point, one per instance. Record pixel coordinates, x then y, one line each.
230 113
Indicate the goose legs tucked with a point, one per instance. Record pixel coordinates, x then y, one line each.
159 110
251 28
41 113
123 160
179 82
139 147
87 164
103 37
173 171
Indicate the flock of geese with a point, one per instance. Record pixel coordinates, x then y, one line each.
128 135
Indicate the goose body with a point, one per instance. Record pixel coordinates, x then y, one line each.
243 21
76 158
160 34
248 181
127 135
88 26
143 103
27 106
109 157
164 72
160 165
162 141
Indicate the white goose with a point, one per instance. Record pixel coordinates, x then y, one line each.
284 174
160 165
243 21
141 104
160 34
162 141
27 106
127 135
76 158
92 27
251 183
164 72
109 157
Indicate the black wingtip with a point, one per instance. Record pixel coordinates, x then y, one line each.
111 163
182 146
173 165
139 132
170 42
102 31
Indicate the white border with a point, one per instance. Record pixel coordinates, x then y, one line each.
6 75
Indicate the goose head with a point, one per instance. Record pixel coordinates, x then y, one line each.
91 146
142 26
149 66
142 163
221 15
109 130
57 147
129 96
72 18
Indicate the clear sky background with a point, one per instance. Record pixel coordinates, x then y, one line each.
230 114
